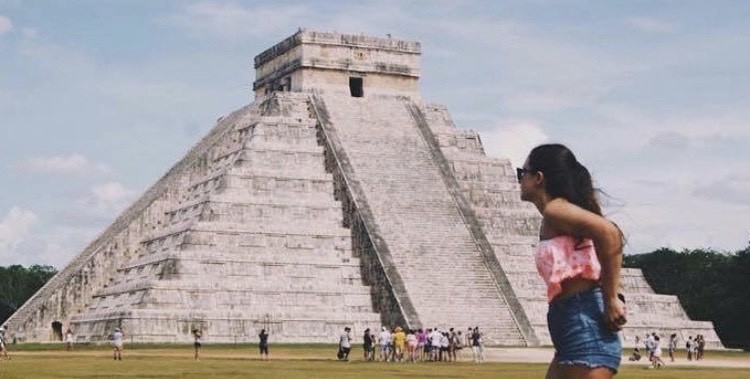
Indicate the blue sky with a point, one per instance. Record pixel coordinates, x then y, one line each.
99 98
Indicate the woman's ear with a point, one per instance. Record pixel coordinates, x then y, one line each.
538 178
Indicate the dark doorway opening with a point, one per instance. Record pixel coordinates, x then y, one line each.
57 330
355 87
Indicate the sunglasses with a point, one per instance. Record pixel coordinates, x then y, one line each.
520 171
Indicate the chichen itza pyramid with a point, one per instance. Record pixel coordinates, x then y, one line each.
338 197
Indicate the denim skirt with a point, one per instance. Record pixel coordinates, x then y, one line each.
576 325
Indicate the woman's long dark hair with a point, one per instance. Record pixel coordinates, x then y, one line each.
564 176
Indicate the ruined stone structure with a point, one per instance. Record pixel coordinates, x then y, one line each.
338 197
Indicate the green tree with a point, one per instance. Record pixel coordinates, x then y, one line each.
710 285
18 284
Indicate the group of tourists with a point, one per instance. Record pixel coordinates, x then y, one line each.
117 339
695 347
262 343
652 345
420 345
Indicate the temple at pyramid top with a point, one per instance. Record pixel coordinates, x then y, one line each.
335 62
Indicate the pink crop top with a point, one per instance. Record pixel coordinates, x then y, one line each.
560 258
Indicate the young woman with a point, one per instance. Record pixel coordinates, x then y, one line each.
579 257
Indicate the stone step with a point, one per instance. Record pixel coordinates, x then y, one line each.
425 239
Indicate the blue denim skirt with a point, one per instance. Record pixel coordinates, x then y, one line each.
576 325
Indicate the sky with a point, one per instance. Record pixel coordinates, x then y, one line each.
98 99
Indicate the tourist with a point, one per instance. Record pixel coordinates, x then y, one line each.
399 342
636 356
435 342
690 347
117 344
197 334
411 345
700 346
445 345
3 344
391 346
427 356
373 346
453 345
467 340
345 345
263 344
459 345
384 340
69 340
421 342
367 345
477 347
579 257
650 345
672 346
656 361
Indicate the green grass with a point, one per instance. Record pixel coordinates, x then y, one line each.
288 361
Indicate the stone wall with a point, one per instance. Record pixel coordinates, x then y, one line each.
322 61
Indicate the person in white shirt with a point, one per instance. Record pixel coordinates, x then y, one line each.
656 359
436 339
444 345
384 340
690 346
345 344
69 340
117 343
650 345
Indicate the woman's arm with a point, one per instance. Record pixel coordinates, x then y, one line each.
567 218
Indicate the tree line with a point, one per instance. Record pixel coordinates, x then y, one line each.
18 284
711 285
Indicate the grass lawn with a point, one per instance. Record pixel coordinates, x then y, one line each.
289 361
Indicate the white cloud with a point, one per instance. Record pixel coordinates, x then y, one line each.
110 197
5 24
549 70
60 164
649 25
513 140
636 128
232 21
733 188
670 140
56 246
678 220
14 229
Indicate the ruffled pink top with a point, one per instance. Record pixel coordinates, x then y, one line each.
564 257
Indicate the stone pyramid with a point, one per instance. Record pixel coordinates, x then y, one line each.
337 198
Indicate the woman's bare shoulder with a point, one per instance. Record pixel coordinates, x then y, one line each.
568 218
